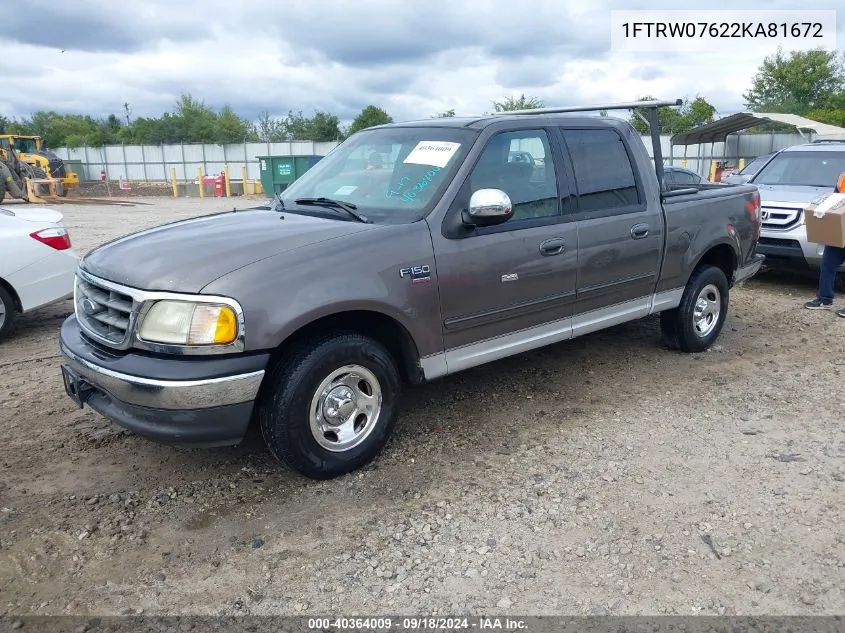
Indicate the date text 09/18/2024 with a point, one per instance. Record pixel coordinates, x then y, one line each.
421 623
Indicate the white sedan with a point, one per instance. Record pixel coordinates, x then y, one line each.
37 261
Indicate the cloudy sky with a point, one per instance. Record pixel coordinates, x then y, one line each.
412 58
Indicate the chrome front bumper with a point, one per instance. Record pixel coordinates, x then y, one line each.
205 401
167 394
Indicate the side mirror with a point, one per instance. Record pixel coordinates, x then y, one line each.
840 183
488 207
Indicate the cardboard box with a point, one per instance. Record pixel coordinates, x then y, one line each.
825 219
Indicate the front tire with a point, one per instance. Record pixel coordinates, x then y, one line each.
330 404
697 322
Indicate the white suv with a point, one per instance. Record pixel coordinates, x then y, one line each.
788 183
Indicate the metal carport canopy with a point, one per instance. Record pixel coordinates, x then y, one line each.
717 131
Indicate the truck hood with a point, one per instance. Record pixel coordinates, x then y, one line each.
186 256
791 195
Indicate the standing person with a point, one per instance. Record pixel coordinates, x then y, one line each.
832 259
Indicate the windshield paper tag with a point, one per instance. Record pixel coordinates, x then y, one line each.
345 191
436 153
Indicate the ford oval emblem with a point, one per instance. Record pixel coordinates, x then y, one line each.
88 306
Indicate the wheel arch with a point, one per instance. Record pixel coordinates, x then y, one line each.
380 326
722 255
13 293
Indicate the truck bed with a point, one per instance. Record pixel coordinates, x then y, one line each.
694 214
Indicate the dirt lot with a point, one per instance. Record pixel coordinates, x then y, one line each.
603 475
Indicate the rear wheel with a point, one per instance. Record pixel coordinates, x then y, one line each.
697 322
330 404
8 311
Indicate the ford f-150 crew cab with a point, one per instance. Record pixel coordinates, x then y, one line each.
306 315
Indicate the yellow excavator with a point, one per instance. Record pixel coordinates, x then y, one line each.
27 183
23 181
46 165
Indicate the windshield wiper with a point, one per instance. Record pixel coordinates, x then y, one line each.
337 204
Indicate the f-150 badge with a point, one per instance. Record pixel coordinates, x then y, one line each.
418 274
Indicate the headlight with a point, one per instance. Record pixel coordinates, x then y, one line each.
187 323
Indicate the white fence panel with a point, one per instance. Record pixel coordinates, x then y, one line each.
322 149
172 153
114 154
213 154
134 154
193 153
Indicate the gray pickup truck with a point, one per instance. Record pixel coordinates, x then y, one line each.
307 315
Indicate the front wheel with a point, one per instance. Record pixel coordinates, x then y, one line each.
697 322
330 405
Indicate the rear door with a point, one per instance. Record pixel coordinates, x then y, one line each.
620 231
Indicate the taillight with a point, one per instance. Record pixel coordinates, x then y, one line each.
752 208
57 238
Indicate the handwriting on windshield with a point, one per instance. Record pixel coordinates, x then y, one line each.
410 194
397 191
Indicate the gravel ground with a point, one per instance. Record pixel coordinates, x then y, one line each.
605 475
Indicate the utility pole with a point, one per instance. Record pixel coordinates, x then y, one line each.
128 110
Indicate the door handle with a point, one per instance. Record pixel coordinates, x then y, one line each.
639 231
554 246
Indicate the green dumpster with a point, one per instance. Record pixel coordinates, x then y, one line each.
278 172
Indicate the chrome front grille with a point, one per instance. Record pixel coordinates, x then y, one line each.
103 312
780 218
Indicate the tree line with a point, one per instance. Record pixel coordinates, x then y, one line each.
808 83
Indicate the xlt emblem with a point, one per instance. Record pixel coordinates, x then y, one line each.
418 274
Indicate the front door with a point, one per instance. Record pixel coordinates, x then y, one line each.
510 287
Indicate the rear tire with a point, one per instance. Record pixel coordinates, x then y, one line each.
330 404
8 311
37 172
697 322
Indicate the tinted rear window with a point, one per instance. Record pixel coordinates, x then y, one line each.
603 171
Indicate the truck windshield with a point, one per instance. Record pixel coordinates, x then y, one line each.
800 168
25 145
754 166
392 175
